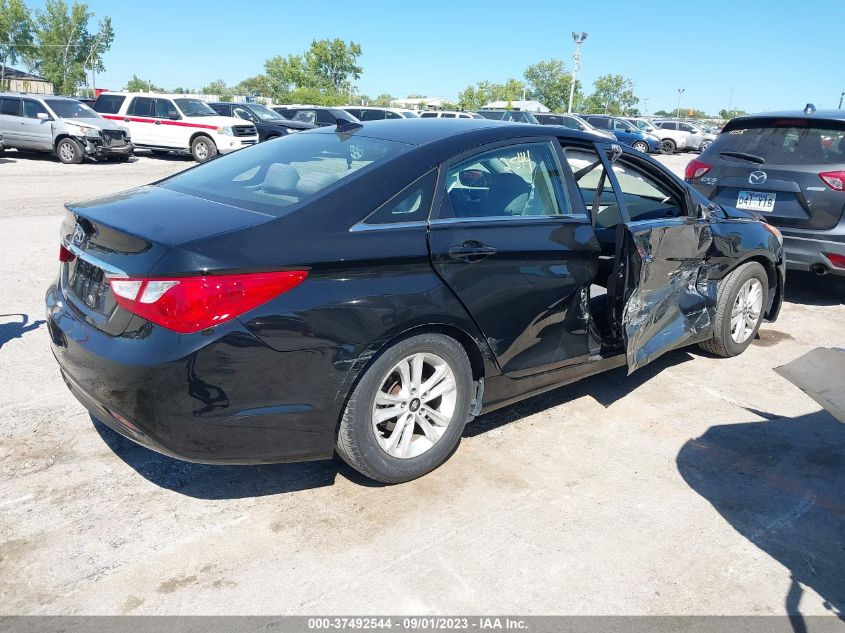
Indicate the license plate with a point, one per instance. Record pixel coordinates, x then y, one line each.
755 201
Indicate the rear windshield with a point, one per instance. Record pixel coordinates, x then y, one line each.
782 142
275 178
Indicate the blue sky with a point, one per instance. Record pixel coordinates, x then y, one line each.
774 54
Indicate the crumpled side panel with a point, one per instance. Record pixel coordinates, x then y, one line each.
673 301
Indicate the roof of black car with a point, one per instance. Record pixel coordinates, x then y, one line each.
836 115
430 130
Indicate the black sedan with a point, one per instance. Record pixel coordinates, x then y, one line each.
269 123
289 301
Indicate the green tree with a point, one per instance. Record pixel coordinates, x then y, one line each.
661 113
258 85
729 114
66 47
549 83
15 35
218 87
332 64
384 99
136 84
613 94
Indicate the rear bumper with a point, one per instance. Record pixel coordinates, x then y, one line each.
220 398
805 250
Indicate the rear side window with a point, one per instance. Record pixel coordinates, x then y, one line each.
412 204
602 124
275 178
10 106
370 115
392 115
109 104
783 142
428 115
142 106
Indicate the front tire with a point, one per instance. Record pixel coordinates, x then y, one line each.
742 299
407 413
640 146
669 146
69 151
203 149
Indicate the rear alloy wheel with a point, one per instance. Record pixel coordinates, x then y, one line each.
69 151
641 146
742 299
203 149
406 415
668 146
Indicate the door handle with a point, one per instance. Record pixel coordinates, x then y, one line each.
471 251
158 122
126 119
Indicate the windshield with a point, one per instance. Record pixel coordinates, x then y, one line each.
194 107
643 125
275 178
67 109
783 142
626 125
264 113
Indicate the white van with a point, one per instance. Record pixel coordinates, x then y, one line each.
175 122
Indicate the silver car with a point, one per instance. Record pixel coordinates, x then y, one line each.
697 138
62 126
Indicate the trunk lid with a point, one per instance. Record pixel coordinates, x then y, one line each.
125 235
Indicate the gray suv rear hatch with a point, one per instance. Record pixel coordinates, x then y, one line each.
789 160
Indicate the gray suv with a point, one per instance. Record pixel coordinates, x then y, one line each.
788 167
65 127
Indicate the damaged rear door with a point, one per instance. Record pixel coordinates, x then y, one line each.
659 298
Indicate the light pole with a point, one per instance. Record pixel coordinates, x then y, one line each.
841 96
680 93
576 65
645 105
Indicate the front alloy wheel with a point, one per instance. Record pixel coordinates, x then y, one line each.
406 414
746 311
414 405
641 146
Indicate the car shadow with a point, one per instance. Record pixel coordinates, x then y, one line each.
606 388
214 481
17 328
809 289
781 484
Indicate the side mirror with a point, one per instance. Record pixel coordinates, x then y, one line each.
173 116
43 116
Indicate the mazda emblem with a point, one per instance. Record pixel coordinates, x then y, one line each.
757 178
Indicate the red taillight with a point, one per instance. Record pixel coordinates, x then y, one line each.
696 169
838 261
191 304
65 255
834 179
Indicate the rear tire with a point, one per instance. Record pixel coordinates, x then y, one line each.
428 430
203 149
640 146
742 299
69 151
669 146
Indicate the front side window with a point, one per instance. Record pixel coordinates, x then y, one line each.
194 107
412 204
512 181
32 109
623 126
275 178
243 113
645 197
685 127
428 115
389 114
595 187
166 110
370 115
447 115
324 117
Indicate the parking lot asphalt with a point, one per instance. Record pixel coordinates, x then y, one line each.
696 485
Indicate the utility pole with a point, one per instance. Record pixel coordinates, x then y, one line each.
680 93
645 105
578 38
731 104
